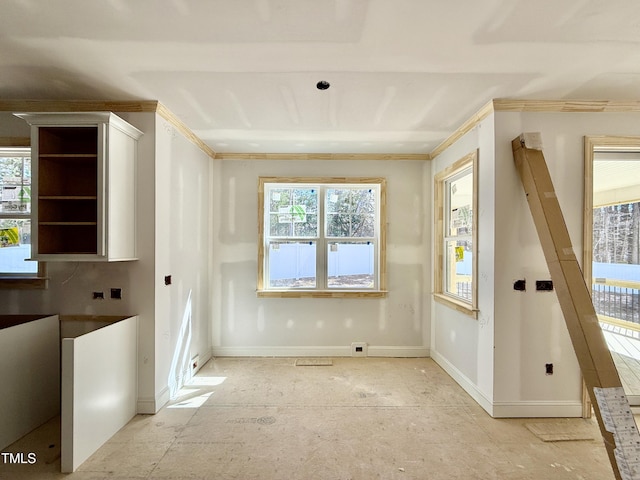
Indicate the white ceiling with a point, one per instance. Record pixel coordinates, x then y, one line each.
242 74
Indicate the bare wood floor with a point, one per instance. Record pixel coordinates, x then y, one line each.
625 350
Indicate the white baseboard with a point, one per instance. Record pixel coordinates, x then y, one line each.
151 405
398 352
466 384
327 351
537 409
522 409
204 358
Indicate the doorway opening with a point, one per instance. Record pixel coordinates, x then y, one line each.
611 263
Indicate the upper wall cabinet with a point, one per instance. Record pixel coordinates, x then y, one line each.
83 186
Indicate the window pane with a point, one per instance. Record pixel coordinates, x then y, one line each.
347 225
458 263
351 212
15 247
292 265
351 265
15 185
460 204
293 212
351 200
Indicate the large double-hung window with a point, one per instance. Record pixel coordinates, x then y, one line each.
321 237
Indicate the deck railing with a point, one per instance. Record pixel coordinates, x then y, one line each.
617 299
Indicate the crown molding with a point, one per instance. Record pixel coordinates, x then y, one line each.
129 106
322 156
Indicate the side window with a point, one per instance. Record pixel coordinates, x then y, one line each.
456 245
16 270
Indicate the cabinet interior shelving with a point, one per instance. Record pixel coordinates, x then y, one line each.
84 174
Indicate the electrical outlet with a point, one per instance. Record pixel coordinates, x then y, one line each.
116 293
544 285
98 295
358 349
548 367
195 363
520 285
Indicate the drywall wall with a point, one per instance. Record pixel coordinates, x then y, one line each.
500 358
530 328
244 324
462 345
183 249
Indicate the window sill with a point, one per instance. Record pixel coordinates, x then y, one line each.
321 293
23 283
461 307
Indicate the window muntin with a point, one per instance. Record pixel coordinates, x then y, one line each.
15 210
321 235
455 278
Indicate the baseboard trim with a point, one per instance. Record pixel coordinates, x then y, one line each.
524 409
462 380
204 358
537 409
151 405
325 351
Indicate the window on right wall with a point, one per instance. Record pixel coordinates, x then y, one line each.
456 243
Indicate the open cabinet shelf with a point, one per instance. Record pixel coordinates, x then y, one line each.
84 175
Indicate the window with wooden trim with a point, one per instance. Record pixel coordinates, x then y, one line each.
456 235
321 237
16 270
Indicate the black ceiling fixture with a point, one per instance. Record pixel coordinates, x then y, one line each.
322 85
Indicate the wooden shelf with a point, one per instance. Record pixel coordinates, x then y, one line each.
67 223
68 197
84 198
88 156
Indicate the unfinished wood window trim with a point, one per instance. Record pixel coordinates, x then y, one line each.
591 144
439 295
34 281
379 292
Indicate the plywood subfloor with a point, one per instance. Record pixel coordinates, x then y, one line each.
571 429
361 419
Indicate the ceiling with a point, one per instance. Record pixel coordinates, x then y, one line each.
616 177
242 74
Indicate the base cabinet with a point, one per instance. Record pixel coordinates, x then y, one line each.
83 186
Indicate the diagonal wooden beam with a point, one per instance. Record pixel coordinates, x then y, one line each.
611 407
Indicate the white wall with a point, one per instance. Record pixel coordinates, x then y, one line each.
540 336
244 324
462 345
500 358
183 249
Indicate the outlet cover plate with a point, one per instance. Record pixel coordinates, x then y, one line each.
359 349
